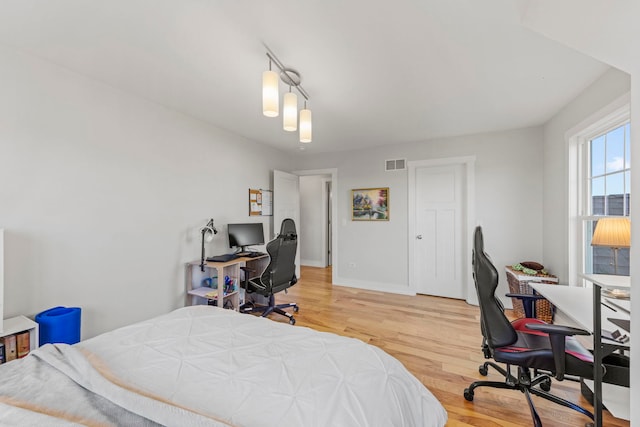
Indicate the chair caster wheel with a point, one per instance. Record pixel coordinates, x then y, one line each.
483 370
545 385
468 394
292 321
296 309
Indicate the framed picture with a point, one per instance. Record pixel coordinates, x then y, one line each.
370 204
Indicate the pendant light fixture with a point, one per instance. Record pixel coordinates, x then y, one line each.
290 111
270 98
305 124
270 93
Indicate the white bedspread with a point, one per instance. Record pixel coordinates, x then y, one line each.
251 371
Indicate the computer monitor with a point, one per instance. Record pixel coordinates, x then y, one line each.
244 235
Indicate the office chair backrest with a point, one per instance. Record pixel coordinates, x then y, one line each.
496 328
281 271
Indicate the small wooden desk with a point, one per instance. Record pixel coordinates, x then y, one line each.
196 292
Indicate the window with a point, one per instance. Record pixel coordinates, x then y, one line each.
608 180
599 188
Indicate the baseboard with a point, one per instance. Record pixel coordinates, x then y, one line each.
312 263
393 288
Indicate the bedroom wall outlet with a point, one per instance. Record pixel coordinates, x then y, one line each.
352 264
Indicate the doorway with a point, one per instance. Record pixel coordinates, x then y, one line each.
315 217
317 224
440 217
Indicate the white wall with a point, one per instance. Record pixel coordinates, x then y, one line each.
635 236
602 92
102 194
313 220
607 31
1 279
508 203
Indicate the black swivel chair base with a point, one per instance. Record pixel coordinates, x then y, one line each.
266 310
526 385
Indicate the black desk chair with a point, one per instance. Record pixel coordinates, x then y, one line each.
530 344
278 276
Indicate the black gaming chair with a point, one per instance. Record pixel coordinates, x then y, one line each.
279 274
529 344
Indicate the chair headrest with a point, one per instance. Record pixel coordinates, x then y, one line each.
288 229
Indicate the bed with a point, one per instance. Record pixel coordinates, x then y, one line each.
204 366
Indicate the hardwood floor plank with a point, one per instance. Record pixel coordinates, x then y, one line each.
438 340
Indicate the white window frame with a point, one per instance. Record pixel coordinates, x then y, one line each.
612 116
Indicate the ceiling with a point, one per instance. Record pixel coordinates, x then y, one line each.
377 72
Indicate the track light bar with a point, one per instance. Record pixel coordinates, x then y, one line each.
289 76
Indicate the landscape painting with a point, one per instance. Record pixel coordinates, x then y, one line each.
370 204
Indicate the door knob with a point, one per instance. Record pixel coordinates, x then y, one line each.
419 237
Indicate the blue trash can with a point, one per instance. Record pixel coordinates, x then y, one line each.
59 325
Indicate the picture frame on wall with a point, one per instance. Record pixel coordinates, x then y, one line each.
370 204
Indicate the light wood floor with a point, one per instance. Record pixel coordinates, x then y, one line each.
437 339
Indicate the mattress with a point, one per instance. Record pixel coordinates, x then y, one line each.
241 370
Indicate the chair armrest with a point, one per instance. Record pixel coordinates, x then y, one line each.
525 296
557 335
245 283
557 329
528 303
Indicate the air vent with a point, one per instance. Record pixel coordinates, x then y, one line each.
395 165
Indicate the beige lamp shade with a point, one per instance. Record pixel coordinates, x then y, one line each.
305 125
270 95
612 232
290 112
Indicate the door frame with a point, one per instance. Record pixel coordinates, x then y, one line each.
333 172
468 163
279 179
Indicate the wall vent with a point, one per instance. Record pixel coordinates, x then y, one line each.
395 165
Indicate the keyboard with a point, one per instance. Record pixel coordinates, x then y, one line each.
255 254
222 258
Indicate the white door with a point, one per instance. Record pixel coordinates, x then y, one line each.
286 204
439 230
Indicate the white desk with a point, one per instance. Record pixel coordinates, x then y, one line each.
608 281
576 303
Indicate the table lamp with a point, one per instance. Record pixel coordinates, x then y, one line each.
207 236
614 233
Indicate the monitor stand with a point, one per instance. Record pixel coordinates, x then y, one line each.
244 251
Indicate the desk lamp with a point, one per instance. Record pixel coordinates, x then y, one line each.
207 236
613 232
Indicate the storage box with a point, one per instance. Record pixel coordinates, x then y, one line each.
519 284
59 325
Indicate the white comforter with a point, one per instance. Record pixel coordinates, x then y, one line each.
251 371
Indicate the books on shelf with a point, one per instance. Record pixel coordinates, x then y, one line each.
206 292
15 346
10 348
23 341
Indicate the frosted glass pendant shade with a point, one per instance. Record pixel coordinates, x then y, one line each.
305 125
270 98
290 112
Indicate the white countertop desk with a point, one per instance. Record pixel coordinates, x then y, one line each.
575 302
608 281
